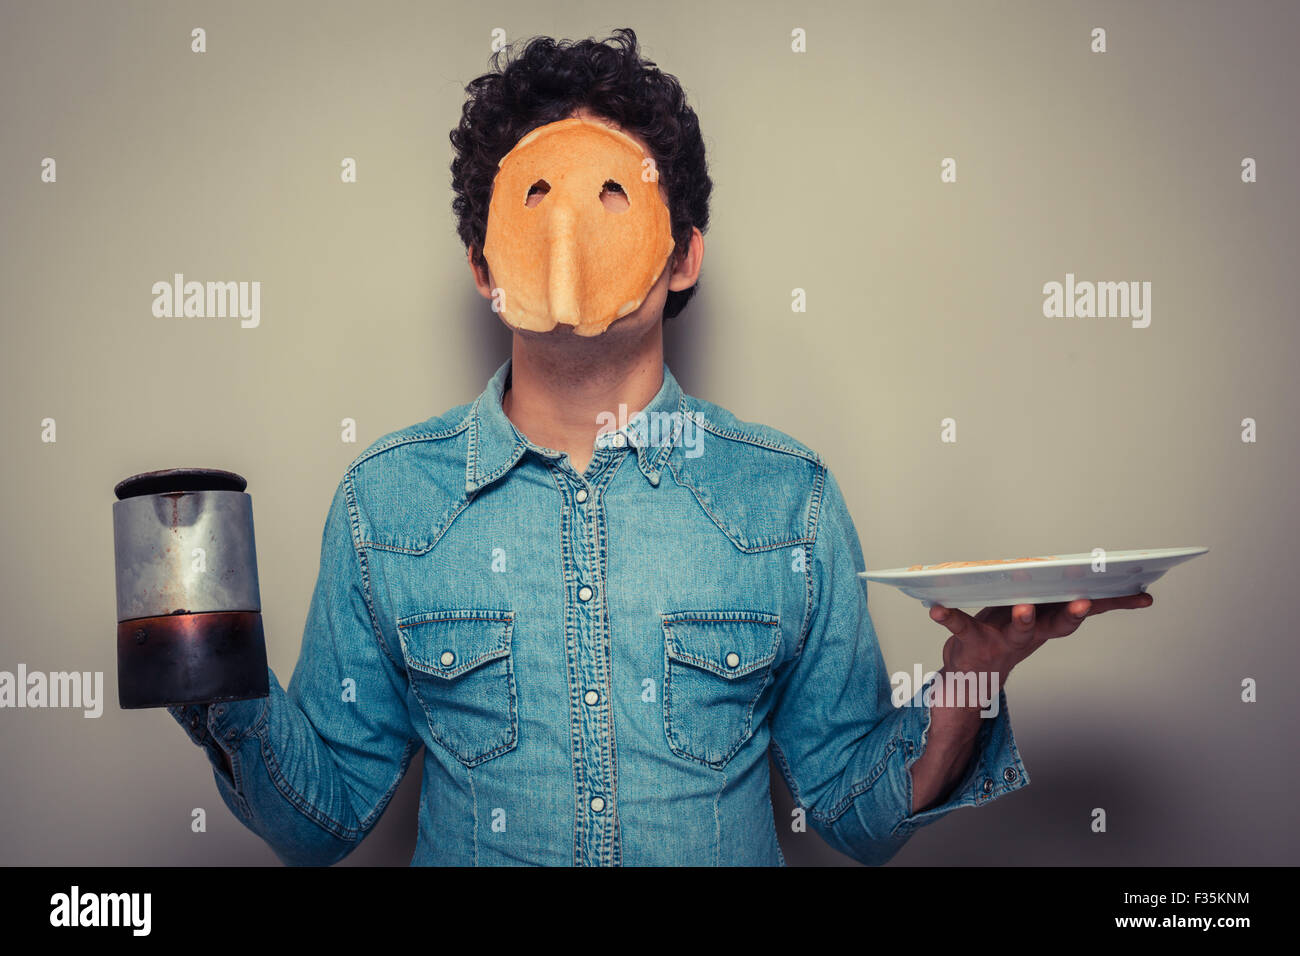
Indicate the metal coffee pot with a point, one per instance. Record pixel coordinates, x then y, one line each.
188 608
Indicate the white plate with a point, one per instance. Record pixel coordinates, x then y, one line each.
1064 577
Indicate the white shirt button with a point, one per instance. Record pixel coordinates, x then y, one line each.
733 659
584 593
592 698
598 803
448 658
581 495
620 440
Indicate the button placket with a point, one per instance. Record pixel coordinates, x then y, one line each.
586 616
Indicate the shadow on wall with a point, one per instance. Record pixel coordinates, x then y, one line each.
1049 823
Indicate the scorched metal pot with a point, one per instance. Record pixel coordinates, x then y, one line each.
188 608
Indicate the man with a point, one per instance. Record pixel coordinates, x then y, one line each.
597 623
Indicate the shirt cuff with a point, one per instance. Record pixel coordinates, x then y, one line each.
995 767
221 727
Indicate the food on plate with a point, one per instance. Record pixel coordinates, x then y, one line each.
975 564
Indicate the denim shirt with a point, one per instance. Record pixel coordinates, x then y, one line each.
595 664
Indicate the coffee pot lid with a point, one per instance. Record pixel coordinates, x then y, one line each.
170 480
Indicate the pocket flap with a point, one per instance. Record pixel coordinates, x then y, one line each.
727 643
448 643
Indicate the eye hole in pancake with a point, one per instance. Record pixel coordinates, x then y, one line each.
613 197
536 191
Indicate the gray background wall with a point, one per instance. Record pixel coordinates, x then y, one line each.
924 301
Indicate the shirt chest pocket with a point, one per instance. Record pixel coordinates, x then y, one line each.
716 666
460 667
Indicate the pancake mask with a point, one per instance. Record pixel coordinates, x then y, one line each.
558 251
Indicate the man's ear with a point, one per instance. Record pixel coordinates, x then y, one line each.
481 277
686 271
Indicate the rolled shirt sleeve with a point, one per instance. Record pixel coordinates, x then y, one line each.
843 746
994 770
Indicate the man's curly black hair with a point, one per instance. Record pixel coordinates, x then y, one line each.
545 82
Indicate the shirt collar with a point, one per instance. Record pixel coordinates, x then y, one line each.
495 444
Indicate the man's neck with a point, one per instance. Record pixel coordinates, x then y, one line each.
560 386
